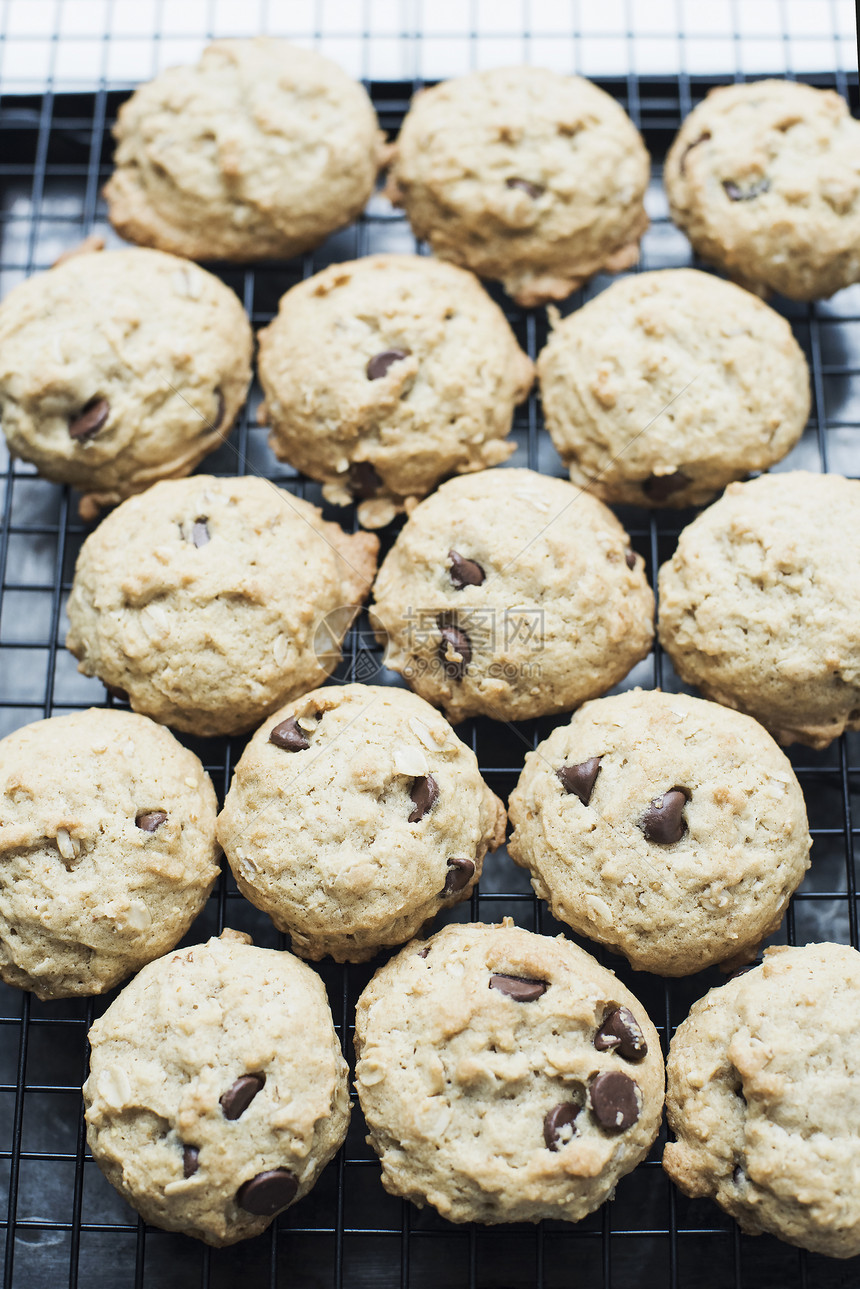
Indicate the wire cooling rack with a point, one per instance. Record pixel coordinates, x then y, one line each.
61 1222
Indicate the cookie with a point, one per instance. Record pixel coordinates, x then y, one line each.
669 829
764 178
669 385
764 1096
510 594
217 1090
107 849
386 375
760 603
211 602
260 150
505 1076
121 368
355 814
524 175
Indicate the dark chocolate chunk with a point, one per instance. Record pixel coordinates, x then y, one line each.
735 193
614 1101
620 1032
661 486
364 482
200 532
91 418
236 1100
150 820
464 572
267 1193
556 1120
460 872
380 363
190 1157
422 953
289 736
682 163
454 641
579 779
663 822
424 794
525 185
520 988
630 557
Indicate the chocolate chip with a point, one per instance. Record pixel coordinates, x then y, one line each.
150 820
424 794
556 1120
661 486
736 193
115 692
614 1101
267 1193
380 363
90 419
579 779
364 482
630 557
236 1100
190 1157
288 736
620 1032
525 185
454 642
464 572
682 164
460 873
422 953
663 822
520 988
200 532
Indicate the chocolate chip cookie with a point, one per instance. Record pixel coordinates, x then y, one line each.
121 368
760 603
670 829
217 1090
764 1096
262 149
524 175
669 385
107 849
211 602
510 594
764 178
388 374
505 1076
355 814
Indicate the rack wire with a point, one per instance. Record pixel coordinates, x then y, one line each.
61 1222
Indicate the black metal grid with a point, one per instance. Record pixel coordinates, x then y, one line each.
62 1223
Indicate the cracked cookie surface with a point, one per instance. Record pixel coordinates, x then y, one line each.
764 178
764 1096
759 605
212 601
385 375
107 849
669 385
670 829
217 1090
260 150
505 1076
355 815
524 175
512 595
119 368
